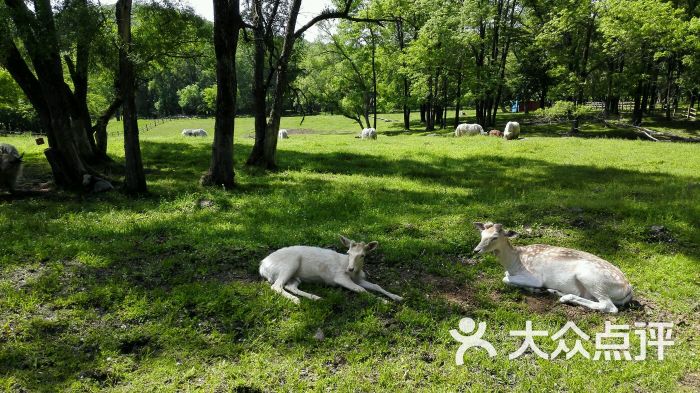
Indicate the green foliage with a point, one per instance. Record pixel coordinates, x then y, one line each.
16 114
209 99
566 110
190 99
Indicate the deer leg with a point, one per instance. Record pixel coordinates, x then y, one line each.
603 304
280 283
374 287
293 287
528 283
346 282
284 293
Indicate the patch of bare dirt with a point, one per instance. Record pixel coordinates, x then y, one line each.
450 290
539 304
691 381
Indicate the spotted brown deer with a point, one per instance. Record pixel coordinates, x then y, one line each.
576 276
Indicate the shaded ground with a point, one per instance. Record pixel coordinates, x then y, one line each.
162 294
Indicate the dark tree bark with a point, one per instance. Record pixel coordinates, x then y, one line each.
502 66
69 149
374 77
264 154
63 113
637 111
135 179
429 111
406 90
443 115
458 98
583 68
654 91
669 84
259 88
100 128
227 24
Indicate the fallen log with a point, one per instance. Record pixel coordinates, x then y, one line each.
652 135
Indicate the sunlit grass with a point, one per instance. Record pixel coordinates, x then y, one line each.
161 293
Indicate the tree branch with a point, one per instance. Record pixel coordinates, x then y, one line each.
337 14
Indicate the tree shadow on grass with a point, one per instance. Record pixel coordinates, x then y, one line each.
185 284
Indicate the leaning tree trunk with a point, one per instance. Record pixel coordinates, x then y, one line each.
100 128
135 179
227 24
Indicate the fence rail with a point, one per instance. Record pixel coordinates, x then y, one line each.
147 125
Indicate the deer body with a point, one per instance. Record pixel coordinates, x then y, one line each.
288 267
576 276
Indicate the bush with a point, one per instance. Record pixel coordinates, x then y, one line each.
565 110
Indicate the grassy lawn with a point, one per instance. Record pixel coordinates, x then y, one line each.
162 293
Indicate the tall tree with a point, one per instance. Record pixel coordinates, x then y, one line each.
227 25
135 179
264 151
61 111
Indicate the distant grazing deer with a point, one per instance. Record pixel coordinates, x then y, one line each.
577 276
288 267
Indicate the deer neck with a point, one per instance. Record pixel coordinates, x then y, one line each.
509 257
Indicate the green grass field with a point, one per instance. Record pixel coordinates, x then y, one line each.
106 293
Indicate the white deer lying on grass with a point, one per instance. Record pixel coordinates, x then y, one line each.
287 267
577 276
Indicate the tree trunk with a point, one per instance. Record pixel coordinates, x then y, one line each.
430 119
259 89
654 91
669 83
406 92
48 93
502 73
609 81
374 77
268 158
135 179
458 100
227 24
422 113
443 116
583 70
100 128
406 109
637 111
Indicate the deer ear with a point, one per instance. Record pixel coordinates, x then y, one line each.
371 246
346 242
479 226
512 234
